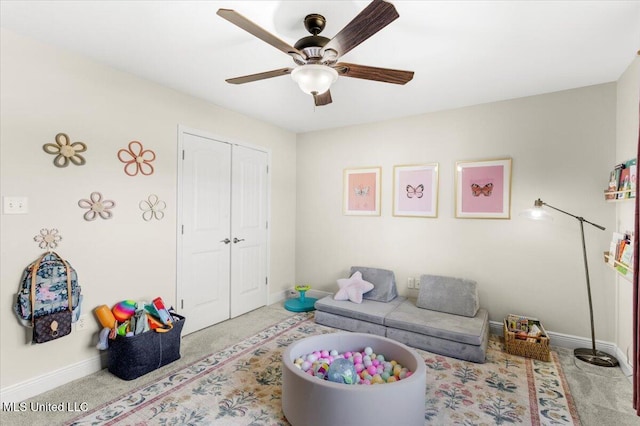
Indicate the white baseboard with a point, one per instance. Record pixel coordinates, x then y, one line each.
30 388
574 342
625 366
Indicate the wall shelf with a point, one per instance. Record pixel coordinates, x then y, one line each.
625 195
607 259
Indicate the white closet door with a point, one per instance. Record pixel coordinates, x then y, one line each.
249 199
204 267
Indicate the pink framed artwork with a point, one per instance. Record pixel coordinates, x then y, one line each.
362 191
415 190
483 189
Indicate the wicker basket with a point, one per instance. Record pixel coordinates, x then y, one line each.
536 350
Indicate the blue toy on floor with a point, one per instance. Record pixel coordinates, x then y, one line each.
302 303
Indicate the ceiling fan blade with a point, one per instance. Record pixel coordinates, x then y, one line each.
372 19
259 76
249 26
323 98
385 75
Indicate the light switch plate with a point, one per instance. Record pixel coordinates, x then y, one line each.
15 205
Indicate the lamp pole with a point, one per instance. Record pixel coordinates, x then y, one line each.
592 356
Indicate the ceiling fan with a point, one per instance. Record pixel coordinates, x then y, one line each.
317 57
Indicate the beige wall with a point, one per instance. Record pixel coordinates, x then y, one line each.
562 144
626 148
46 91
563 147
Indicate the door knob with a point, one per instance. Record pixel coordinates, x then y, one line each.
235 240
226 241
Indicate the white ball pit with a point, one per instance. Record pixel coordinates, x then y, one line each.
309 401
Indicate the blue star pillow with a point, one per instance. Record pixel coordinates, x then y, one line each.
352 288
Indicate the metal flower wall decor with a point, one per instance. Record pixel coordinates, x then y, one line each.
48 238
152 208
137 159
65 151
97 207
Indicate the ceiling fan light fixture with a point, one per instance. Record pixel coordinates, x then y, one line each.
314 78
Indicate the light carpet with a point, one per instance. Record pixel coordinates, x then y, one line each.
241 385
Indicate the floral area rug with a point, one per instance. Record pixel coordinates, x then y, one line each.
241 385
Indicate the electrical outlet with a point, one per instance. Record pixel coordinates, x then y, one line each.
411 282
15 205
417 283
82 323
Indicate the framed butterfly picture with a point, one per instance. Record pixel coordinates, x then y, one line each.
362 191
415 190
483 189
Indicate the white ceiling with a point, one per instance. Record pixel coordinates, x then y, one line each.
462 52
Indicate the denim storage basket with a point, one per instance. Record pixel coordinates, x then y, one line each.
135 356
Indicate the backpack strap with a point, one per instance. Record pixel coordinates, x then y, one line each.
34 273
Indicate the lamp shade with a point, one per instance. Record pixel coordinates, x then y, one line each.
314 78
536 212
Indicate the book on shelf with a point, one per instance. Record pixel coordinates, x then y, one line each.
614 247
621 251
626 259
613 186
623 182
633 171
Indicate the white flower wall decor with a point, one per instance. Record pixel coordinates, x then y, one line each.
152 208
48 239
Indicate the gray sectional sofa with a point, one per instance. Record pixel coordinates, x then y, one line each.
445 319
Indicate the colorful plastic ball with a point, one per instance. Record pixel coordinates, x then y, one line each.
124 310
368 350
342 371
377 380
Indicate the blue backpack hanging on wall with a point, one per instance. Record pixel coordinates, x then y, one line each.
51 289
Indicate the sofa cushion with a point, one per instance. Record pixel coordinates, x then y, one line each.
446 294
368 310
470 330
349 324
439 346
352 288
383 280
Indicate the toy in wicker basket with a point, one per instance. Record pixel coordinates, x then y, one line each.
526 337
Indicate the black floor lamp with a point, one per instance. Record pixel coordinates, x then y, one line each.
590 355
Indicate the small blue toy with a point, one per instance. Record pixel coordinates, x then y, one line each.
342 371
